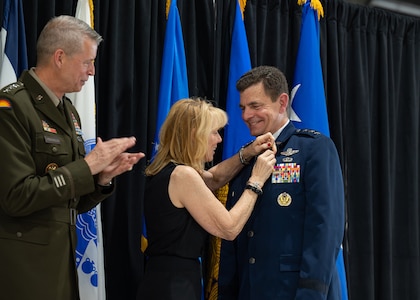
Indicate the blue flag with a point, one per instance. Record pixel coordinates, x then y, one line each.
173 75
236 133
173 79
309 108
13 55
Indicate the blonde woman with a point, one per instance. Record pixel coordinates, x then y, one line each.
179 205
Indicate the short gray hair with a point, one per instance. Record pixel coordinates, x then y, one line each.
64 32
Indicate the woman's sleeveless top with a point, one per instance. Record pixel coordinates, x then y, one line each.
170 230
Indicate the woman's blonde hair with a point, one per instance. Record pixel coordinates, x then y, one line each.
183 138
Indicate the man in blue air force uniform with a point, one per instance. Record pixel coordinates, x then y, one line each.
289 246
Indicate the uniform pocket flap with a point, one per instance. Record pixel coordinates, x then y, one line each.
290 263
25 231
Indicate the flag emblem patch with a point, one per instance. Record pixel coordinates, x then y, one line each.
5 104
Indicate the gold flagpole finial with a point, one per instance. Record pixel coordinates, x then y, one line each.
316 5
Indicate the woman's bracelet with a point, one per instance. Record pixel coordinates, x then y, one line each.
241 157
255 187
243 160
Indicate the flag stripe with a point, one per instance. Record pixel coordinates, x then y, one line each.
13 55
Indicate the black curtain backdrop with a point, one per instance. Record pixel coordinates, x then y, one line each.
371 64
372 70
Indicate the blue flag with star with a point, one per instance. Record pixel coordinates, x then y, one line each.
309 108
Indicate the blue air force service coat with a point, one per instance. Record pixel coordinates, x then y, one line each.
288 248
44 182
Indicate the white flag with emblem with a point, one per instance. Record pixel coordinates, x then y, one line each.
89 250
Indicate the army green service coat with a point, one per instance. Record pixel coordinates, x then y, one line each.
44 182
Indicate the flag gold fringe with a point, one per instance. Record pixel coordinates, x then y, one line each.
211 286
242 4
143 243
168 5
316 5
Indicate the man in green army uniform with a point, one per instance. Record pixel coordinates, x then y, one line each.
46 178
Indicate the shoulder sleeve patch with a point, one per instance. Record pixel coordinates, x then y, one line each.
5 104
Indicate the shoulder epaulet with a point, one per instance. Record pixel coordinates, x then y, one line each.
13 88
308 132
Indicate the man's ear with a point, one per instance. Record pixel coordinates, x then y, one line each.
284 102
58 57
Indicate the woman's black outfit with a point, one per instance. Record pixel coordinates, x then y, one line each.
175 245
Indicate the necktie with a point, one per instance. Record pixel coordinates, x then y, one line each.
61 108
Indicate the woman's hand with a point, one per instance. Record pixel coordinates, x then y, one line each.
260 144
263 167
